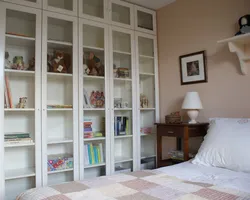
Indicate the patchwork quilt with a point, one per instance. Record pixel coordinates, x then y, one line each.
141 185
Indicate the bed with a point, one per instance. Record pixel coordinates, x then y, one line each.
184 181
220 171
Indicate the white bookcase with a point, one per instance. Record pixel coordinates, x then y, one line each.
148 97
59 124
67 7
62 100
21 36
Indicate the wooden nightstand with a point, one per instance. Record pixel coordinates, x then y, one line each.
182 132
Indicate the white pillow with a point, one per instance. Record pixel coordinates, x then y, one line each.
227 145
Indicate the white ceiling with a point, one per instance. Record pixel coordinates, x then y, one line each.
152 4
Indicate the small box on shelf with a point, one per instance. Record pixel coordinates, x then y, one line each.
60 162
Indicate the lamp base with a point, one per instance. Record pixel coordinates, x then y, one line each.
193 114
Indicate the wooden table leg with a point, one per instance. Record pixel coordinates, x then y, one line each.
186 145
159 150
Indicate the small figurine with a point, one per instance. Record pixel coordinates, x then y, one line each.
22 102
18 63
7 63
143 101
32 64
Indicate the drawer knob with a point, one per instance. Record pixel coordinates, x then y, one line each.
170 132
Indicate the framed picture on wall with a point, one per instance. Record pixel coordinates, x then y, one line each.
193 68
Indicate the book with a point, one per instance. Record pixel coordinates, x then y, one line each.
16 135
95 154
101 153
86 155
8 92
92 153
89 154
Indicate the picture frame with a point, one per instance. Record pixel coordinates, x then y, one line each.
193 68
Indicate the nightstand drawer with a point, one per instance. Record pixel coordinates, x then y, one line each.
171 131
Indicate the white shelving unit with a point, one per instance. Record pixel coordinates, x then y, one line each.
241 46
20 36
66 42
59 125
145 20
93 37
147 87
67 7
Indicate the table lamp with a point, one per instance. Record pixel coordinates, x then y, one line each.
192 104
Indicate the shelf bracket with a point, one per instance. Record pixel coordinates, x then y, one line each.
239 49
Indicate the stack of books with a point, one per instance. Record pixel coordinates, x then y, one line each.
93 153
17 138
88 130
121 125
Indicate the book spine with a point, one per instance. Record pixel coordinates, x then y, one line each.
101 153
8 91
98 154
127 126
6 96
89 153
95 154
92 154
86 154
87 129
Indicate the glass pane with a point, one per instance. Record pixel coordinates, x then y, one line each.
63 4
93 8
120 14
145 20
147 91
93 36
146 47
121 42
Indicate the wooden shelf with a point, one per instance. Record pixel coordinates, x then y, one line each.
19 173
93 77
16 40
123 160
19 72
94 139
96 165
59 109
93 109
122 79
144 56
122 53
238 44
93 48
61 171
19 145
59 141
19 109
123 136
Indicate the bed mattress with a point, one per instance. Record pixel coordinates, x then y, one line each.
179 182
212 175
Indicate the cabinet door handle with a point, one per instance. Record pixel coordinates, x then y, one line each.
170 132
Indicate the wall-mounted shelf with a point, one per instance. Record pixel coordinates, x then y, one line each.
239 45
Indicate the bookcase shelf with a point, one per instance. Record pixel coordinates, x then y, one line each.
59 141
93 166
144 56
19 40
19 72
94 139
19 173
123 136
122 79
61 171
123 160
59 109
56 75
19 145
19 109
147 156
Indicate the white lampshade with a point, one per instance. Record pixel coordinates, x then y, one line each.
192 101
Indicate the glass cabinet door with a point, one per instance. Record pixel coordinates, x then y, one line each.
93 9
59 70
122 13
145 20
21 32
147 98
93 96
122 102
30 3
61 6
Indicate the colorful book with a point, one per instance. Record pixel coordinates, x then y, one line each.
101 152
8 92
89 154
86 158
95 154
92 154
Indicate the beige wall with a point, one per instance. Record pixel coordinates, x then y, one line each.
188 26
